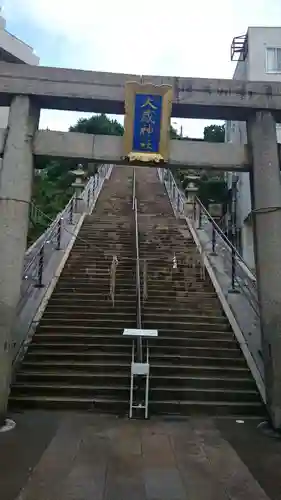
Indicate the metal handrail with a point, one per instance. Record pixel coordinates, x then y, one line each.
138 286
139 323
221 233
39 254
242 277
220 255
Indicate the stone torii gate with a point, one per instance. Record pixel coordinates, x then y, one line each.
28 89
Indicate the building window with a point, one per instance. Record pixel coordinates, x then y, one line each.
273 60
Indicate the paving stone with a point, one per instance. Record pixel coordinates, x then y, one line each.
228 467
104 458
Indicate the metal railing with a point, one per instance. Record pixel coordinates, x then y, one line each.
138 285
242 278
41 251
236 280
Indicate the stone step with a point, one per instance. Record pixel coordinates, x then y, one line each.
122 391
174 317
79 288
129 277
216 408
83 313
125 357
166 337
124 367
92 323
179 308
110 405
61 305
182 327
98 274
93 295
69 310
89 281
97 246
78 347
123 379
99 265
206 394
99 405
150 302
100 301
71 389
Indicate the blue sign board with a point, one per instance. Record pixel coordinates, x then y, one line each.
147 123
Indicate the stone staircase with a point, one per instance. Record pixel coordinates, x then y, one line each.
196 363
78 357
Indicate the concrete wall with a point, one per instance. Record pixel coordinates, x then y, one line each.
13 50
253 68
259 40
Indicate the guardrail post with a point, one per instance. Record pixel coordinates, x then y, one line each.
194 210
178 202
213 241
58 245
233 271
199 217
71 208
39 283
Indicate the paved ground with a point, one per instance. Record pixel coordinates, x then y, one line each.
69 456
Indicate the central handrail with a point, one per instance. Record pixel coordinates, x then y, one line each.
138 287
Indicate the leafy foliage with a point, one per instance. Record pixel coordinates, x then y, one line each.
211 185
212 190
214 133
98 124
53 178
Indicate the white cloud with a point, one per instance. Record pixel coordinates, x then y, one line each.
181 38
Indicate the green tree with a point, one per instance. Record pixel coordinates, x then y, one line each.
173 133
214 133
211 185
212 190
98 124
53 178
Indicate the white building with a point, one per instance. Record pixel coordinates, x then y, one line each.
13 50
258 56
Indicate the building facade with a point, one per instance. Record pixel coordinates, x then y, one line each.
13 50
259 58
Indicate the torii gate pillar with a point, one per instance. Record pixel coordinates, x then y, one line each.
15 193
266 196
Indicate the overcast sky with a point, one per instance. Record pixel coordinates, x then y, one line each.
179 38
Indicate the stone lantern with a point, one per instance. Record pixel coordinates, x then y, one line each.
191 192
192 187
78 186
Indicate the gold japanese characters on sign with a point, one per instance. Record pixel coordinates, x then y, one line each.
147 122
